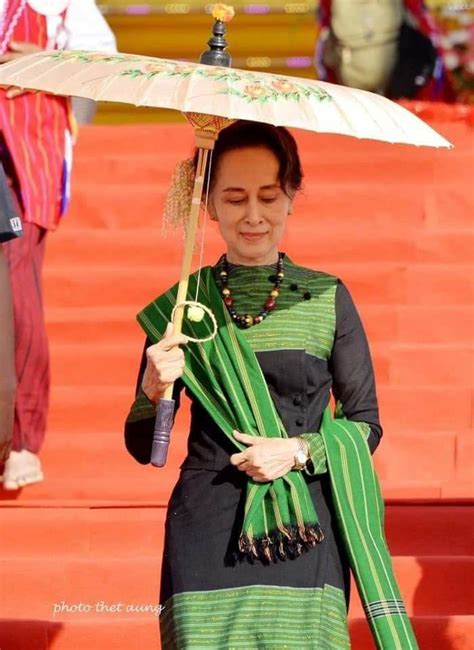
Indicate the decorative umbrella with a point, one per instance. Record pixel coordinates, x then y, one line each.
212 95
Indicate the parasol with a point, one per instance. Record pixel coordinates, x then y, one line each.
212 95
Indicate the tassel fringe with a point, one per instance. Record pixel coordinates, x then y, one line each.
287 543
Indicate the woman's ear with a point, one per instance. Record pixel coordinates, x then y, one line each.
291 194
212 211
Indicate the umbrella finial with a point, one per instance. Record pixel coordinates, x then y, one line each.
215 55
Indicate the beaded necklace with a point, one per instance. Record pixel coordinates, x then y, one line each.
247 320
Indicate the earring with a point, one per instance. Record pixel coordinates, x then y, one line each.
290 210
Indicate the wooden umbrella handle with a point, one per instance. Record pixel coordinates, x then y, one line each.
205 139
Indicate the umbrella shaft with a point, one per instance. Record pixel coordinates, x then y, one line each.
203 154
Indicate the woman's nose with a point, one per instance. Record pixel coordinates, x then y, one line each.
253 215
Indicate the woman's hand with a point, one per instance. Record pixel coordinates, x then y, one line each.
165 364
17 50
265 459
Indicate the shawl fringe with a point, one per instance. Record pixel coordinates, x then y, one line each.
281 544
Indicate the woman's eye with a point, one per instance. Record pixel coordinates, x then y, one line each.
268 199
236 201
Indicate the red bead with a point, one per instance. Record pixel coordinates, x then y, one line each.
270 304
228 301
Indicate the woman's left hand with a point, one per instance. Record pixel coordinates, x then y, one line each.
265 459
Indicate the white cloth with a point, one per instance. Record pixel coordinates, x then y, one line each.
84 27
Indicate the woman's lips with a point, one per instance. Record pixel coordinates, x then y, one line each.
252 236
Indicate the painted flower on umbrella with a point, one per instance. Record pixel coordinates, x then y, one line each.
256 91
84 56
155 68
284 86
95 57
183 69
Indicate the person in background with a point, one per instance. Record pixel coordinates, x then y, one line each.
36 136
391 47
10 228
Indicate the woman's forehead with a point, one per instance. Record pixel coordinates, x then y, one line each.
252 166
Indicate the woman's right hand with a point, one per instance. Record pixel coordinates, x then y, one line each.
165 364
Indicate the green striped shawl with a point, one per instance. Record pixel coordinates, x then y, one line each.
225 377
280 519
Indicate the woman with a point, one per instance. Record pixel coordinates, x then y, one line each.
308 339
39 175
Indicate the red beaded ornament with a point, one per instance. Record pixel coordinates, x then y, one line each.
246 320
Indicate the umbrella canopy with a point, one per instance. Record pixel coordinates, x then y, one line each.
220 91
211 97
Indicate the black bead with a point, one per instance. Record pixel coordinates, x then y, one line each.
307 295
293 287
272 278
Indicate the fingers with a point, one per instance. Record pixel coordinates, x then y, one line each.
251 471
24 48
9 56
246 438
165 363
170 373
258 463
13 92
171 340
237 459
17 49
162 358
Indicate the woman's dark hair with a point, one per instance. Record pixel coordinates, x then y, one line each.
243 134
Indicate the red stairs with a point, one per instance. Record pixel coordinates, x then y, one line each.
81 551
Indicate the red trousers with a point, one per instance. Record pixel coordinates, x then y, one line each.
25 261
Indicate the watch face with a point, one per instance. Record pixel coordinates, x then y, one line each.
301 457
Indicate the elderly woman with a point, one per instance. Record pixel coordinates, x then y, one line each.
283 589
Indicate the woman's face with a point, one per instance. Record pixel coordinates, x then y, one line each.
250 205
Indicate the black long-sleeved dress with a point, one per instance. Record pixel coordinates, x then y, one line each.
210 598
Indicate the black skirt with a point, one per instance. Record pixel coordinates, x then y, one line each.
213 598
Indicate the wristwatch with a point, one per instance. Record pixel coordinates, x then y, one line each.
302 454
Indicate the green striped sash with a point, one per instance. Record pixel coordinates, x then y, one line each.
280 519
224 375
359 510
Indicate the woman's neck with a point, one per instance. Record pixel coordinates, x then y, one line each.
237 260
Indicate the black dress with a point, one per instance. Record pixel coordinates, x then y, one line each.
212 598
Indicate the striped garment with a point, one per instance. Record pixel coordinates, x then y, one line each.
280 518
225 377
25 261
36 131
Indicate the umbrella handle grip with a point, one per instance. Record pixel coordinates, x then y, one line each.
162 430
